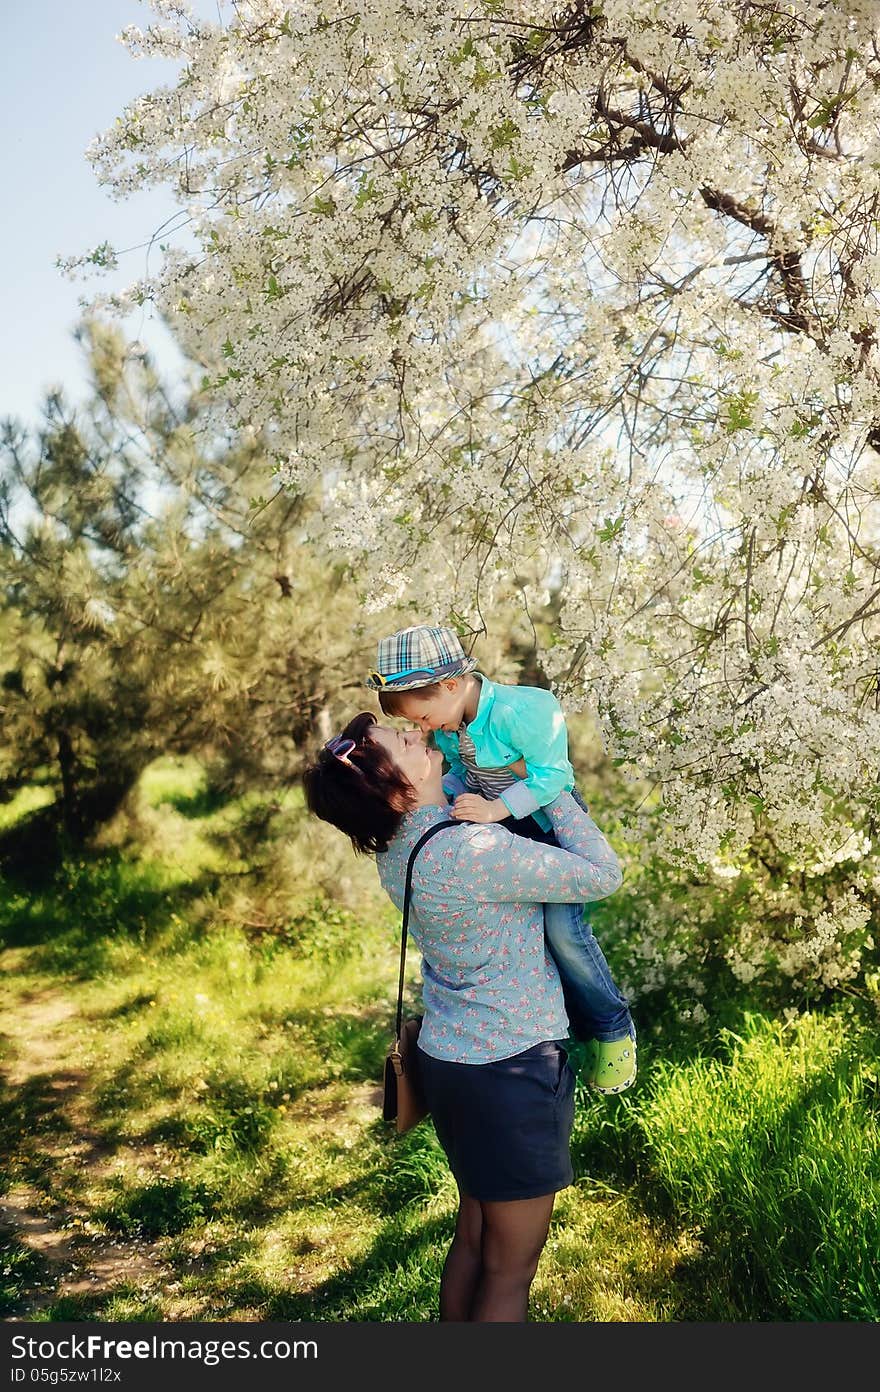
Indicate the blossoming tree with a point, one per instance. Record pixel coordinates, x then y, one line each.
583 297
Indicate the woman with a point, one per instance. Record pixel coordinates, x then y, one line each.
495 1074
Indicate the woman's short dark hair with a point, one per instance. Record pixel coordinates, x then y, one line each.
366 800
389 699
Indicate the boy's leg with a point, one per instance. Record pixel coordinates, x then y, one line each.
528 827
596 1008
598 1013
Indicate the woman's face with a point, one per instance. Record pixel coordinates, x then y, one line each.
410 753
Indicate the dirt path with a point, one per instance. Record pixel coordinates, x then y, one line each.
77 1262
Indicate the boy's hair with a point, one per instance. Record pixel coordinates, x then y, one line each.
390 700
366 799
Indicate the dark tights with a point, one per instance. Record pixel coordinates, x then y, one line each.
493 1258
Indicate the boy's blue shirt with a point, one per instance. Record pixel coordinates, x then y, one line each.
515 722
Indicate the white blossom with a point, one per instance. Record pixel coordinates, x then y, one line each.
586 298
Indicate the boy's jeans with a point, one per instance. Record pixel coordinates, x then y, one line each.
596 1009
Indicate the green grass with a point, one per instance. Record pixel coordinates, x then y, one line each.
159 1208
230 1079
774 1152
21 1271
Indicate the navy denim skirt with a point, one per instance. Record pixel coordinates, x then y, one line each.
505 1126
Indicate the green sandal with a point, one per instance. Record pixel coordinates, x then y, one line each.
610 1066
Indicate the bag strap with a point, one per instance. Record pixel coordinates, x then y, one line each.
407 891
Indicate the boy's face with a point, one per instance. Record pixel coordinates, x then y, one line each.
437 710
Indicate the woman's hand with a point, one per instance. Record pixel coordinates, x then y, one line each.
470 807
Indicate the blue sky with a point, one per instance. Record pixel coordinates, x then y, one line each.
65 77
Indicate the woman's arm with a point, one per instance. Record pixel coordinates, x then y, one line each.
494 866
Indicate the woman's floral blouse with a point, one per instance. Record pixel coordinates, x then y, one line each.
490 987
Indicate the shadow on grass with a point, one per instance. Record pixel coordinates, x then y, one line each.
73 919
126 1010
231 1115
234 1112
161 1208
355 1041
124 1303
32 844
22 1274
204 802
702 1290
714 1280
31 1116
407 1170
396 1279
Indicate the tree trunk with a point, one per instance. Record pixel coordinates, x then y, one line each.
70 810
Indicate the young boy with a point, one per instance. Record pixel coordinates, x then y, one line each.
507 751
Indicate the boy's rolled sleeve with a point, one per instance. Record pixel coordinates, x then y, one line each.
453 785
543 743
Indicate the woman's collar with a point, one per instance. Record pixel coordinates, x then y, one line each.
423 817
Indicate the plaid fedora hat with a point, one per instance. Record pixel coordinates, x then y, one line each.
418 656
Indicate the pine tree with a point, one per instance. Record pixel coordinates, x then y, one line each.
146 605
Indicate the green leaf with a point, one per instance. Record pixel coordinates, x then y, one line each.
367 192
505 134
517 170
611 528
739 411
482 76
